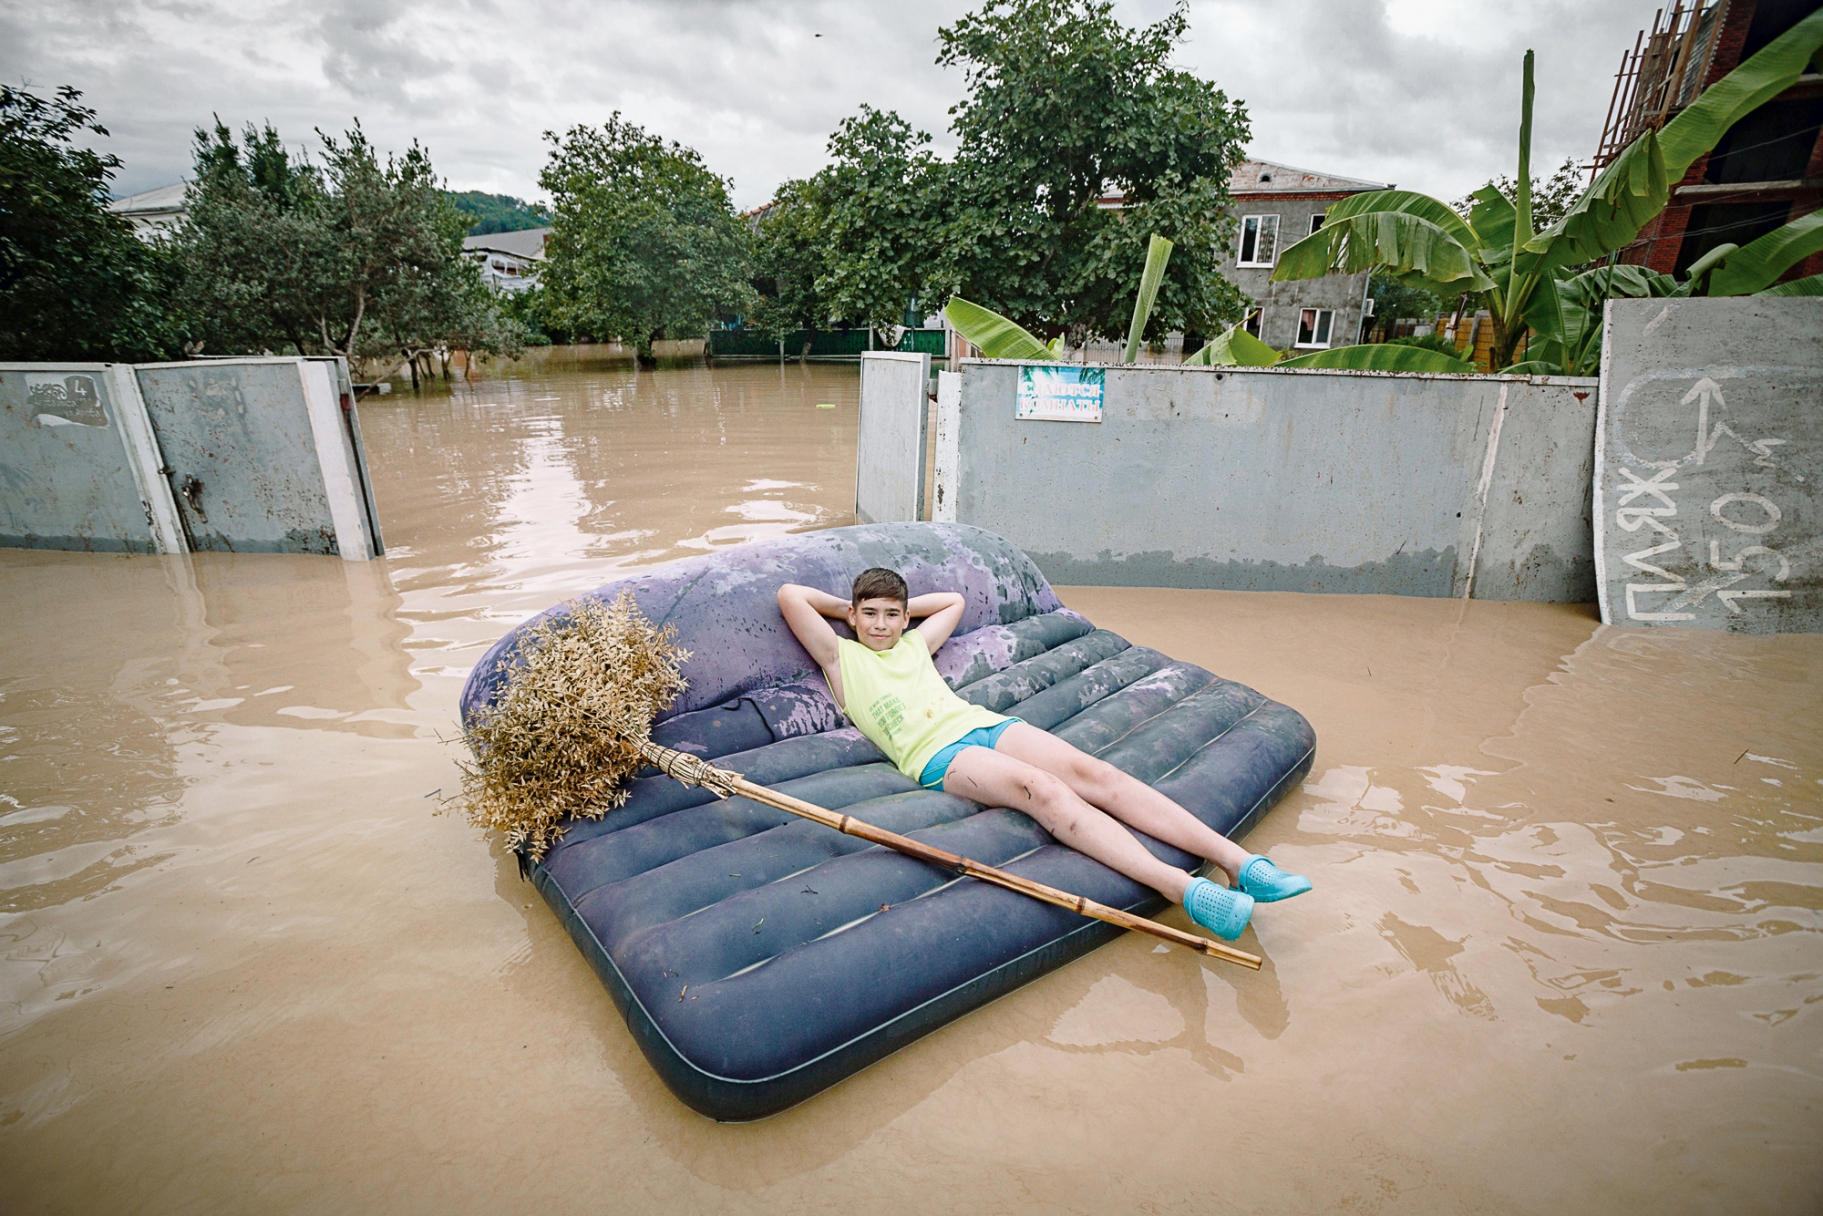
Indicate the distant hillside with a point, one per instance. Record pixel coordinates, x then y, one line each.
497 212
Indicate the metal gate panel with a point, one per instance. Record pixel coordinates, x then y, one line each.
241 442
890 448
67 463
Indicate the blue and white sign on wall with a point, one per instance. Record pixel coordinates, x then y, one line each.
1059 393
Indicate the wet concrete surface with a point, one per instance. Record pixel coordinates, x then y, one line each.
1562 954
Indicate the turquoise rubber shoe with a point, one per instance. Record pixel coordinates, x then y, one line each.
1266 882
1222 911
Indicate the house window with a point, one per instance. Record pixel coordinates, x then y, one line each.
1316 222
1252 323
1314 325
1259 240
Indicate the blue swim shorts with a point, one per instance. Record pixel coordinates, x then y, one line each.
981 736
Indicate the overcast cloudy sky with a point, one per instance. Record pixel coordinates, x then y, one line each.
1418 92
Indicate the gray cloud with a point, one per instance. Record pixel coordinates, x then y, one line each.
1414 91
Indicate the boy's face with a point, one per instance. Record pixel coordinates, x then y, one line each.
878 623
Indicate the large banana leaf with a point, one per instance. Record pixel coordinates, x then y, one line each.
997 337
1381 357
1636 185
1409 201
1234 347
1623 199
1758 264
1495 221
1158 254
1412 246
1491 216
1811 286
1565 316
1775 68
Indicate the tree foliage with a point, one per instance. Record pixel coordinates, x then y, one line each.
357 257
646 244
1066 108
881 209
1552 197
1066 104
1393 300
790 258
75 283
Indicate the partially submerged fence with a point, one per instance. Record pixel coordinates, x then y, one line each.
1709 464
1273 480
254 455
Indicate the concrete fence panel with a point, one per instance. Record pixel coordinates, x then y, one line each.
1709 470
1301 480
889 466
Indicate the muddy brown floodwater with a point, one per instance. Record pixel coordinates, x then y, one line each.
1563 953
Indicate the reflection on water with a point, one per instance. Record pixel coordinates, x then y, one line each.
1570 882
510 494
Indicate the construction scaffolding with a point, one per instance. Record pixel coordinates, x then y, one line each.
1664 72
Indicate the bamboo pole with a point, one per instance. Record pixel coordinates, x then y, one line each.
693 771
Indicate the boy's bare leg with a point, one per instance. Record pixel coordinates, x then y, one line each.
996 778
1126 798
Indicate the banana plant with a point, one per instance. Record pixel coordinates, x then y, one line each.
1234 347
1566 318
999 337
1383 357
1744 270
1158 254
1810 285
1495 254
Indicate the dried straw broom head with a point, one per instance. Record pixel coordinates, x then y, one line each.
562 737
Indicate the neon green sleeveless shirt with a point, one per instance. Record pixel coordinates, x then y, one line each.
897 699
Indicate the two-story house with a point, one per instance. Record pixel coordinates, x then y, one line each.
1276 206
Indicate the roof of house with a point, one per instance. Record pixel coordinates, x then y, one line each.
526 243
165 198
1269 177
1263 177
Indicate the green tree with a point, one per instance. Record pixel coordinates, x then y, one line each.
790 257
1393 300
401 270
356 257
879 208
1065 106
253 246
646 244
75 283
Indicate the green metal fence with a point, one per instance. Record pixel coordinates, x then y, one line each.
830 344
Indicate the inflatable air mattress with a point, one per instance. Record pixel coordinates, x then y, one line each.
759 958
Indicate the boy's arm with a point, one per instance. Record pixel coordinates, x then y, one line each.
804 609
942 612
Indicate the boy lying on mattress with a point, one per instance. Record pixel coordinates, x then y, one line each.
890 690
